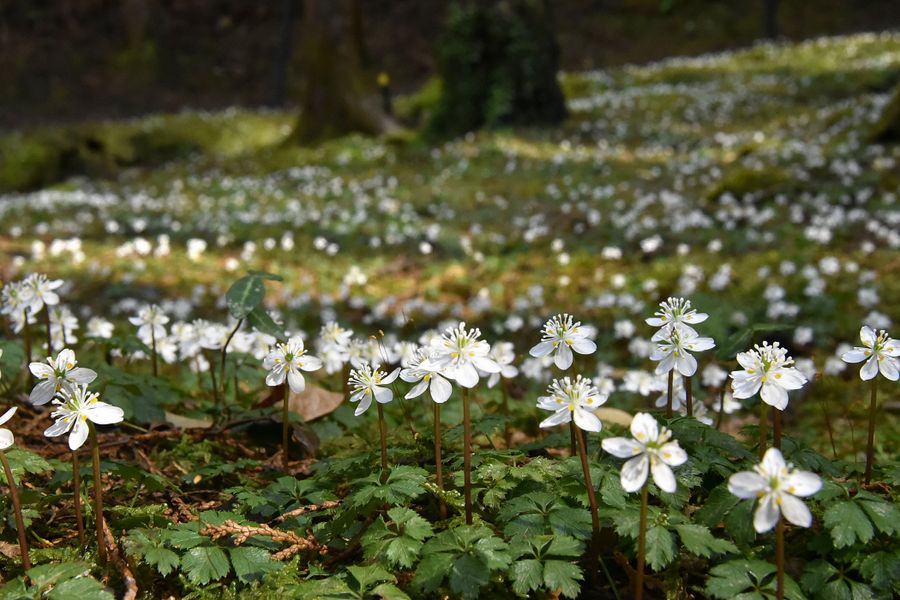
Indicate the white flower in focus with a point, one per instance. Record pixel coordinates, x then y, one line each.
572 400
286 361
767 370
777 485
6 436
75 408
366 383
879 352
675 313
561 335
650 450
57 375
674 351
461 354
427 376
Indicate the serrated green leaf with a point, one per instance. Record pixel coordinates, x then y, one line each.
204 564
660 547
244 295
739 523
22 461
527 575
563 576
251 563
848 524
46 575
882 569
389 591
884 515
468 575
699 541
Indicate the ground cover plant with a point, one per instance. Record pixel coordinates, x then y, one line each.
644 353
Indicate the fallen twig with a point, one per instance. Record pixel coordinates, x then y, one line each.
242 533
308 508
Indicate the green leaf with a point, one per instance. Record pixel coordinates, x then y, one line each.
368 576
22 461
204 564
265 275
739 523
735 577
699 541
244 295
848 523
527 575
263 322
468 575
563 576
80 588
660 547
388 591
251 563
884 515
882 569
46 575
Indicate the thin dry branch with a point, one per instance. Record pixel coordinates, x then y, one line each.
308 508
242 533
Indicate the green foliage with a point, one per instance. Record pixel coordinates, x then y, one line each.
546 562
62 581
464 558
398 541
748 580
22 461
856 521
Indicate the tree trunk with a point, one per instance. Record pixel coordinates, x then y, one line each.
284 49
337 97
770 18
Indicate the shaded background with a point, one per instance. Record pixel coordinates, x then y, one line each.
67 60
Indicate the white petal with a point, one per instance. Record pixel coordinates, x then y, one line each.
390 377
410 376
275 377
745 359
672 454
789 378
563 415
102 413
42 393
440 389
584 346
58 428
795 511
622 447
869 370
39 369
417 390
746 484
644 428
663 476
867 335
856 355
79 434
766 515
542 349
310 363
6 438
774 395
888 367
81 375
8 415
802 483
634 473
587 420
364 402
466 376
563 358
383 395
773 461
296 381
686 364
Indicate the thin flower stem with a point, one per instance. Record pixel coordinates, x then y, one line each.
572 439
215 385
438 466
870 445
285 426
592 499
467 456
669 394
346 380
76 485
382 431
776 428
26 335
49 331
225 353
17 509
505 396
763 427
828 426
642 545
779 559
689 396
98 493
153 351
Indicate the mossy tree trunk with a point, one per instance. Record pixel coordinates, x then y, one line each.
337 96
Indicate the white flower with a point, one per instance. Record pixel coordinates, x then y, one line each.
286 361
675 313
503 355
573 400
673 351
562 335
767 370
57 375
98 327
6 436
777 486
76 408
150 322
879 351
649 450
366 383
42 292
427 376
461 354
